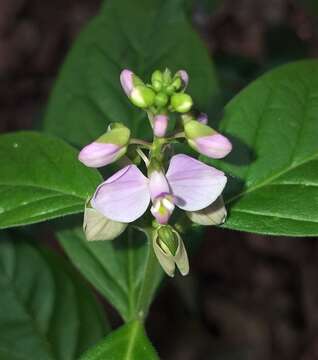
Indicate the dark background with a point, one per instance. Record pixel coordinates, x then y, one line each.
248 296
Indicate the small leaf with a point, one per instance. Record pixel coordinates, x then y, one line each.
129 342
124 270
45 311
41 179
274 163
143 36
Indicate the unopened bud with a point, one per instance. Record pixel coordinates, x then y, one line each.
170 251
107 148
203 118
181 102
167 240
139 94
156 80
161 99
183 75
206 140
160 125
142 96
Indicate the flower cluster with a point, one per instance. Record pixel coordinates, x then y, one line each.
167 183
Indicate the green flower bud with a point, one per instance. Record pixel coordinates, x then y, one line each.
170 251
215 214
97 227
142 96
174 86
181 102
170 90
167 240
167 77
157 80
161 99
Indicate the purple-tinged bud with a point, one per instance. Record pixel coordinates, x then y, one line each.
138 93
203 118
107 148
215 146
160 124
98 154
126 80
205 140
184 78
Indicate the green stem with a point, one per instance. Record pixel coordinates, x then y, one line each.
145 144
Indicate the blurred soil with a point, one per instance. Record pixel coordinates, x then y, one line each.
252 297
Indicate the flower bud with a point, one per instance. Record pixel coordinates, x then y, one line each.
166 77
203 118
161 99
170 251
215 214
167 241
156 80
160 124
205 140
139 94
181 102
183 75
97 227
107 148
142 96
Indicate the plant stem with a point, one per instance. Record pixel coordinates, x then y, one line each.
134 141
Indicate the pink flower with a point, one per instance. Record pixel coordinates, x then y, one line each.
188 184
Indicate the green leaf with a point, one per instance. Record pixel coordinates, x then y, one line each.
45 311
142 35
41 179
129 342
124 270
274 162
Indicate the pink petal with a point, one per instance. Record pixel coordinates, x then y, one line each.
98 154
126 80
215 146
160 124
158 184
195 185
123 197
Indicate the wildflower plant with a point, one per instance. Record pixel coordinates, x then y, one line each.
169 181
127 171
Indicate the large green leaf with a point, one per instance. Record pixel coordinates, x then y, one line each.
45 311
41 179
127 343
274 125
141 35
124 270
